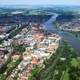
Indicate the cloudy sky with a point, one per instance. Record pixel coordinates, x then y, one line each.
36 2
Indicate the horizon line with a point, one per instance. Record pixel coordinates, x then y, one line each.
38 5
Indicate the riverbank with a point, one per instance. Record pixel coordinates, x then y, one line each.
76 34
72 40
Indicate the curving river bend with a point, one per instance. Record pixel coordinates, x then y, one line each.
72 40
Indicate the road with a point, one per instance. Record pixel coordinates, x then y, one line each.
72 40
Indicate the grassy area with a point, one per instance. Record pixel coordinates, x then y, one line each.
35 71
2 77
65 76
76 34
12 65
61 65
9 67
1 40
19 48
15 32
74 62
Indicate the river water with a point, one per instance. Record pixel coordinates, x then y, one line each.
72 40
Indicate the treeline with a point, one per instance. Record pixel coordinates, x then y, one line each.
66 17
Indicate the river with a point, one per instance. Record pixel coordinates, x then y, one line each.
72 40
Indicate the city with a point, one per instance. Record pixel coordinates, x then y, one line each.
40 42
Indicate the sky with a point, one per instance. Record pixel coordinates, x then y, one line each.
37 2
